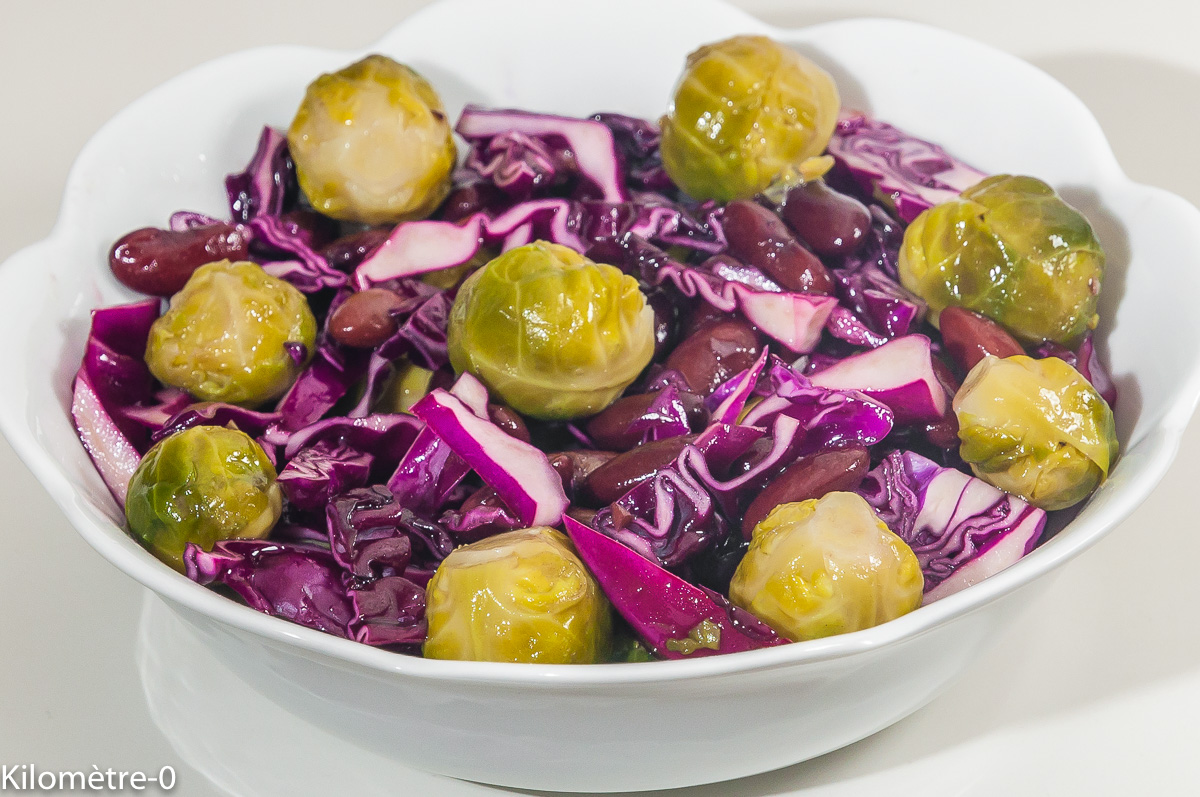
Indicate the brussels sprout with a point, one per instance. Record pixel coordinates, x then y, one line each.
1011 249
747 112
555 335
223 337
409 385
1035 428
826 566
202 485
519 596
371 144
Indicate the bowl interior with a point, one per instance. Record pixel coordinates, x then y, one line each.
171 149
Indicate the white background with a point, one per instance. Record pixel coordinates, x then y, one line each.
1096 691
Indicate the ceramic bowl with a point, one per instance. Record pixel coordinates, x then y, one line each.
606 727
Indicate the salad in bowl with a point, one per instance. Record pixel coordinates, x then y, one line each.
761 371
399 439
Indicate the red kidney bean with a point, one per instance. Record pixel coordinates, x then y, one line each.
715 353
508 420
564 466
827 220
159 262
625 471
943 432
469 199
758 449
366 318
348 251
574 466
701 315
758 237
945 376
610 428
584 516
969 337
808 477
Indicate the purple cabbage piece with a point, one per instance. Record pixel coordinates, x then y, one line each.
268 183
729 399
961 528
113 359
371 535
876 308
475 520
519 472
663 609
667 416
1086 360
419 247
828 418
217 414
905 173
333 370
423 319
794 319
519 165
298 583
318 473
111 452
676 514
258 196
730 269
430 471
168 403
183 220
899 374
637 142
304 584
113 392
391 611
386 437
307 269
590 143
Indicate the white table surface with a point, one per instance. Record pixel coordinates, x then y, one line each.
1096 692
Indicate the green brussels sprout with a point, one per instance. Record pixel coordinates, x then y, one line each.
371 144
521 596
202 485
553 334
826 566
407 386
222 339
1011 249
746 113
1036 429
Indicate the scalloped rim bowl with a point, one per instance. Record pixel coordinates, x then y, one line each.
605 727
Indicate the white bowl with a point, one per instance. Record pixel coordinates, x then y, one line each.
636 726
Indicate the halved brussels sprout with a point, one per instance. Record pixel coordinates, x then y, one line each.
202 485
1036 429
747 112
371 144
223 337
826 566
520 596
553 334
1011 249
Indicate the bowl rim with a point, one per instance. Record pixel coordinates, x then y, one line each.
1161 441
